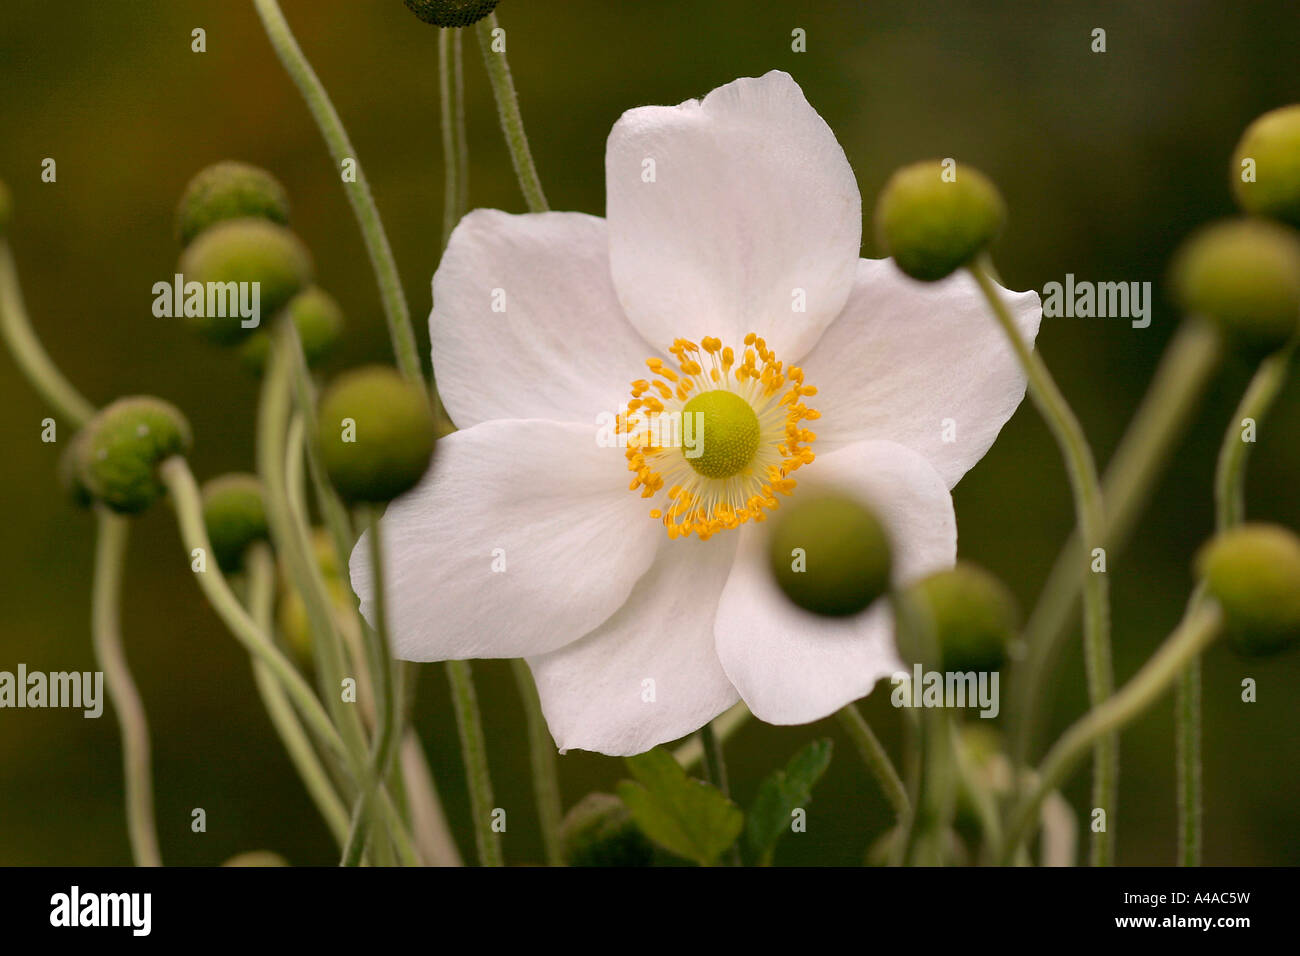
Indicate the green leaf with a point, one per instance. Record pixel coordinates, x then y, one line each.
779 796
684 815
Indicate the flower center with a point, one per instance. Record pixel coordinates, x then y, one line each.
732 429
722 440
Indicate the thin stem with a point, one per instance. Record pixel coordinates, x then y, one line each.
28 352
1230 473
261 596
877 760
541 753
110 555
691 752
1187 732
356 186
1090 516
1193 635
512 123
450 158
462 140
474 750
429 827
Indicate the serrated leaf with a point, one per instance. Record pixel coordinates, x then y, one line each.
683 815
779 796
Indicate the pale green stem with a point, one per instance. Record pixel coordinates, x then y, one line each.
28 352
541 753
1194 634
261 595
357 187
1089 514
110 556
1165 411
450 157
1187 733
691 752
474 750
462 139
512 123
877 760
429 827
976 790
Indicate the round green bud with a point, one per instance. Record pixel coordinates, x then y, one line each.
599 831
69 471
245 251
973 616
934 218
124 444
1243 275
375 434
1253 571
6 209
319 322
229 190
235 515
451 13
1272 145
829 554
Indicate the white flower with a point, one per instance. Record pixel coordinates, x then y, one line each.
733 214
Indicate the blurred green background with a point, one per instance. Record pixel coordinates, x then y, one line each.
1106 161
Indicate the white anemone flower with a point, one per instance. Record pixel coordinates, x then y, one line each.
725 274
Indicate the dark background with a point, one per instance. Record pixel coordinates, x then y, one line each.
1106 161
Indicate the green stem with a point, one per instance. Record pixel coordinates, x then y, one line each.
1230 474
1194 634
357 188
474 750
450 157
541 752
691 752
877 760
28 352
512 123
1090 516
462 139
1187 732
110 555
261 572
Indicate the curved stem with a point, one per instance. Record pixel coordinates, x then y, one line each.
1230 473
28 352
1194 634
541 753
110 554
512 123
357 187
474 750
1082 469
877 760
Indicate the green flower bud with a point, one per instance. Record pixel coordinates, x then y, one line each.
229 190
235 515
6 209
932 223
973 615
123 446
69 471
291 615
375 434
246 250
1253 571
1273 142
829 554
319 321
599 831
1244 275
451 13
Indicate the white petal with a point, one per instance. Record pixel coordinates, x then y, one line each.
905 357
752 199
594 691
792 667
525 322
536 498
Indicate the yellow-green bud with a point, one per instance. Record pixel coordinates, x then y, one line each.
319 322
829 554
229 190
451 13
933 217
973 616
599 831
1253 571
246 250
1272 144
1244 275
375 434
235 515
6 209
124 444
